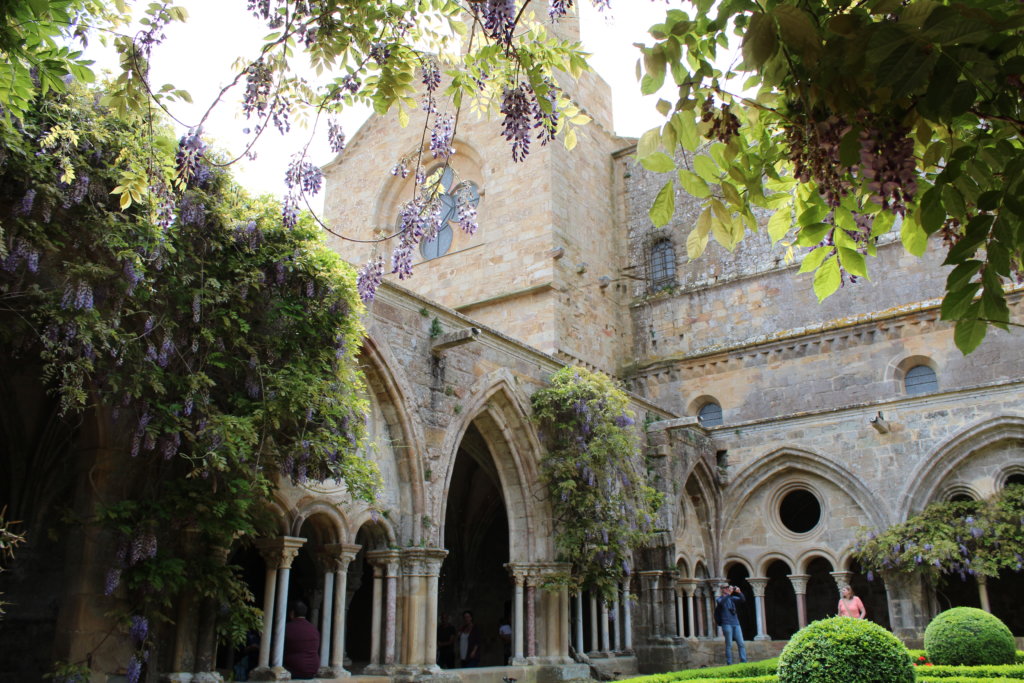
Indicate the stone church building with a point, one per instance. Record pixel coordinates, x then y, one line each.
776 427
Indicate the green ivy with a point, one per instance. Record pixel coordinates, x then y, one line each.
218 344
603 507
974 537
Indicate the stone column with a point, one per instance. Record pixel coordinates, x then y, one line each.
376 616
616 623
326 565
799 582
689 586
605 646
650 586
709 606
531 617
627 618
278 553
680 627
908 602
983 592
595 645
386 561
699 609
759 583
578 632
421 568
339 556
518 654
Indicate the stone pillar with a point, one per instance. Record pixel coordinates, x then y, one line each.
616 623
907 605
376 616
518 654
709 606
421 568
799 582
699 609
759 583
278 553
595 645
579 624
385 606
983 592
650 583
605 645
627 618
326 565
531 617
680 627
689 586
338 557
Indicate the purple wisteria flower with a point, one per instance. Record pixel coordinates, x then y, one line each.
515 105
191 150
369 278
139 629
441 136
335 136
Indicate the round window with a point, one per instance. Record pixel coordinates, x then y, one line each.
800 511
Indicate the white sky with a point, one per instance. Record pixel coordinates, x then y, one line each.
198 57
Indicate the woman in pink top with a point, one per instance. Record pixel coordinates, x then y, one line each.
850 605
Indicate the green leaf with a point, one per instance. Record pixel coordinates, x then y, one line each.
706 168
906 69
731 194
810 235
664 205
814 258
915 239
827 279
693 184
780 223
853 261
931 213
953 202
759 41
697 240
798 29
686 130
969 331
956 302
648 143
962 274
659 162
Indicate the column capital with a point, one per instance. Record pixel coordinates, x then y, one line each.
689 586
423 561
799 582
342 553
842 579
279 552
758 583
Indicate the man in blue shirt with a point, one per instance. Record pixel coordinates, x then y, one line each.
726 618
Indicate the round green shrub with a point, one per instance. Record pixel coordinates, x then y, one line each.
845 650
967 636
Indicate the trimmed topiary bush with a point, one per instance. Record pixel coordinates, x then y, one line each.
968 636
845 650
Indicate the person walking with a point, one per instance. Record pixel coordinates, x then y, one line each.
850 605
725 616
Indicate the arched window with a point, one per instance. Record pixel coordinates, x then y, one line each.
663 264
710 415
920 379
451 197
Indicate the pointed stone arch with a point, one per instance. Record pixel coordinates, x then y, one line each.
928 477
385 383
699 493
790 461
500 415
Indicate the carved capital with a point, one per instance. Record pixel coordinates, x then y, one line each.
842 579
279 552
688 586
341 554
799 582
758 583
423 561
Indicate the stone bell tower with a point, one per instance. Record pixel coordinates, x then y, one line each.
544 265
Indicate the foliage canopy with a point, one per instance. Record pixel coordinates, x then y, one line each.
603 507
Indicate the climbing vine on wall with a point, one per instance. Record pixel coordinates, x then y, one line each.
216 344
594 470
952 538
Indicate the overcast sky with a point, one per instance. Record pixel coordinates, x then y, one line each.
198 57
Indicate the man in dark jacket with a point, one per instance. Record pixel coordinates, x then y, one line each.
727 619
301 643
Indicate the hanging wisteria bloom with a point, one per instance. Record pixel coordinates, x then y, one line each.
191 150
515 105
369 278
441 136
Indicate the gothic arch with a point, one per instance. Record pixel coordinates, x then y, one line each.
504 424
731 560
789 461
383 382
699 493
929 474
